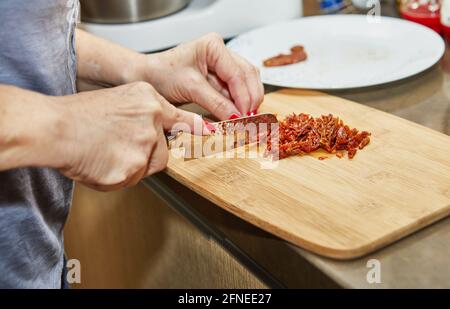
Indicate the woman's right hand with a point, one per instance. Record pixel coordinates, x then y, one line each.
112 138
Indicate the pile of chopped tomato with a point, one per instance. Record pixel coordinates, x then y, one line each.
300 134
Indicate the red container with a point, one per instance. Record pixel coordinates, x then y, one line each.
445 18
446 32
427 15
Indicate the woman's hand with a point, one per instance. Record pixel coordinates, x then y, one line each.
114 137
204 71
106 139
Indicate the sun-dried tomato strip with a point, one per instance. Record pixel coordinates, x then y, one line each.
297 54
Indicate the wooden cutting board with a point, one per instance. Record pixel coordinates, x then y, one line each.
338 208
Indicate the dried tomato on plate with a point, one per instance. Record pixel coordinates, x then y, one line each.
297 54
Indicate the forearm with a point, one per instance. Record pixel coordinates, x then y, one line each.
101 62
29 123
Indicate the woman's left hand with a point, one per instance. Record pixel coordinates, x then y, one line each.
204 71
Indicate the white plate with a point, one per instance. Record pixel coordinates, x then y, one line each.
344 51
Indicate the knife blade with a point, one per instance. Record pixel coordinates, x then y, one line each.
229 134
226 126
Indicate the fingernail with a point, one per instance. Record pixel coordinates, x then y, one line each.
234 116
255 112
208 128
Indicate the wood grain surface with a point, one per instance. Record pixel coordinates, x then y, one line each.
338 208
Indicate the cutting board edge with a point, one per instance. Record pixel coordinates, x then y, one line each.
358 251
290 91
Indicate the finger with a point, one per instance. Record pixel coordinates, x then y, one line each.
130 181
218 85
253 82
209 98
220 61
175 120
111 186
104 188
136 177
159 155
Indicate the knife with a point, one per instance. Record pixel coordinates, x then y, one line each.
234 130
225 127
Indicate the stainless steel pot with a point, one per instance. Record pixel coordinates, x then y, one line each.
128 11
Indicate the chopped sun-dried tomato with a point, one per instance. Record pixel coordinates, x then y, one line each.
302 133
